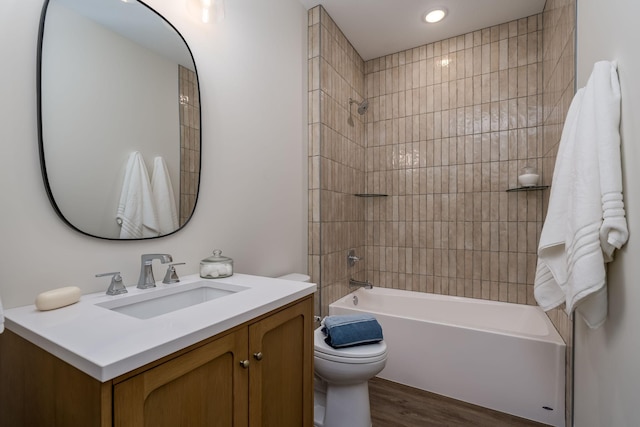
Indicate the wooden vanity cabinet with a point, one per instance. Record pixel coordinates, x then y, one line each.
257 374
281 368
205 387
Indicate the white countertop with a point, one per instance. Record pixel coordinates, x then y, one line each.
105 344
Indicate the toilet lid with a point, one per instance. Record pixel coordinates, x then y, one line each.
356 352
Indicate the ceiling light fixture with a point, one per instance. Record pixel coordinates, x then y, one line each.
206 10
435 15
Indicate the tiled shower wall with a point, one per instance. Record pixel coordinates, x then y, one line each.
189 142
450 126
336 158
559 27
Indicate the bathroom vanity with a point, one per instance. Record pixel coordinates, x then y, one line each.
244 359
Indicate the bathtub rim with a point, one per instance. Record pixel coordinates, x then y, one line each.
552 336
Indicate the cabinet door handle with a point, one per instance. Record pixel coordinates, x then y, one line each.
258 355
244 363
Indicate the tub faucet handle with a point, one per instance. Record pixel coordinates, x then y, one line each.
352 258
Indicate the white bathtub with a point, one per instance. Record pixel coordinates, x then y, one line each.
506 357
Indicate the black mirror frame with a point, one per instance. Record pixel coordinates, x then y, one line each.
43 166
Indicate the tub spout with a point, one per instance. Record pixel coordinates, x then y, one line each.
358 284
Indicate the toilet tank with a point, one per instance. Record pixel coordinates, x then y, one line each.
298 277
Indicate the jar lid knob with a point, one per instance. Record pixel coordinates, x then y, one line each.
217 252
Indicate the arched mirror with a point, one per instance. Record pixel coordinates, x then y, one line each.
118 118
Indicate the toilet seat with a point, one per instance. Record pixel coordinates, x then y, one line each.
367 353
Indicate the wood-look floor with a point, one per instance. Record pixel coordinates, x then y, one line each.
396 405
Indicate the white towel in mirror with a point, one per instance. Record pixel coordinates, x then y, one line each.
163 197
136 211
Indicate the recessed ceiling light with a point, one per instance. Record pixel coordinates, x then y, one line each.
435 15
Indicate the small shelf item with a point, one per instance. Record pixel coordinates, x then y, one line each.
528 177
532 188
371 195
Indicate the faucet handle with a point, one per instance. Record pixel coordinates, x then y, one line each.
116 287
352 258
171 276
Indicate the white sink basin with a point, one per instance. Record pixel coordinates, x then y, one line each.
152 303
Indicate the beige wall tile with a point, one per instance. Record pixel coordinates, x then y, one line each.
444 140
448 159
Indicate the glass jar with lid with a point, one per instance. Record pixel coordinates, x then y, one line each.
216 266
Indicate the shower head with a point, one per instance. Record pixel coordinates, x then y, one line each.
362 106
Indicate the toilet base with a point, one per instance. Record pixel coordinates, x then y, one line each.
341 405
319 401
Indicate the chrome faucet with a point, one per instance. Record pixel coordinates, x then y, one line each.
353 283
352 258
146 279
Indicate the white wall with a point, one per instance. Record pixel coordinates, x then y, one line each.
607 375
121 97
252 201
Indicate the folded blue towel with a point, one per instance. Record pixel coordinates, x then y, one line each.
351 329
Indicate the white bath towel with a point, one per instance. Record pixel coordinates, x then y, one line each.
136 211
163 197
585 221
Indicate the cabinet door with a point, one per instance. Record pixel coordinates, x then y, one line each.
204 387
281 372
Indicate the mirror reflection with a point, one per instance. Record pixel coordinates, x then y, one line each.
119 119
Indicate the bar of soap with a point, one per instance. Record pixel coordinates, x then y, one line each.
57 298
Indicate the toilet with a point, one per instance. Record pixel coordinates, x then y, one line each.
341 393
341 389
